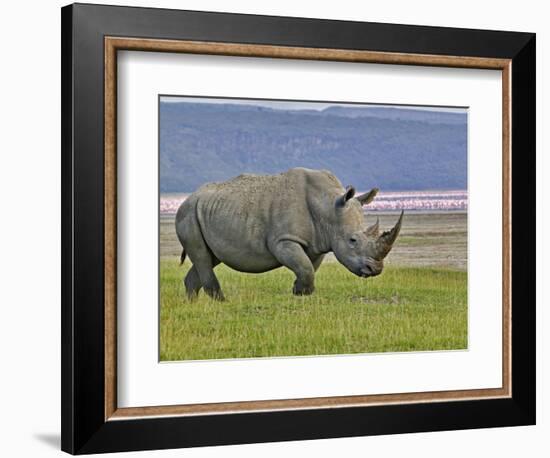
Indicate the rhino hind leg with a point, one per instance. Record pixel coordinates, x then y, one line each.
192 283
209 280
202 275
204 261
291 255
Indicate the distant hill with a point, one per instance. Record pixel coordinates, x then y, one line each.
396 114
391 148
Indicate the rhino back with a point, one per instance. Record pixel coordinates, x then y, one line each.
241 218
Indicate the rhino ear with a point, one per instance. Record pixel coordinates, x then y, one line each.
368 197
341 201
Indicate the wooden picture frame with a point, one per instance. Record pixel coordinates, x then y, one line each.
91 37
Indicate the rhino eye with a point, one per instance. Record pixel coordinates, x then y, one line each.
353 240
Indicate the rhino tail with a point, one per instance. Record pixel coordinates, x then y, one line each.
182 257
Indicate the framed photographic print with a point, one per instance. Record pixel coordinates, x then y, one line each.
281 228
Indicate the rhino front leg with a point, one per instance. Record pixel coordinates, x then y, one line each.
291 254
317 262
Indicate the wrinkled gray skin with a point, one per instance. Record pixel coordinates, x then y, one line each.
256 223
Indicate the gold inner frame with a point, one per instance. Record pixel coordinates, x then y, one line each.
114 44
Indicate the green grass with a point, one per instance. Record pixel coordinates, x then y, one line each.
404 309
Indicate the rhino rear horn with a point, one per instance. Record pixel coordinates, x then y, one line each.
386 240
372 231
368 197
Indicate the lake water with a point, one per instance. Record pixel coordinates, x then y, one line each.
427 201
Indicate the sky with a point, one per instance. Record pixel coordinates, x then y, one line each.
293 105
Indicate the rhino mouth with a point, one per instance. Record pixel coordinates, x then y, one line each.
368 271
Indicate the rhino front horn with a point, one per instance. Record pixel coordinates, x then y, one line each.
385 241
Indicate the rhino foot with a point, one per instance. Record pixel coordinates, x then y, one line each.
302 290
215 294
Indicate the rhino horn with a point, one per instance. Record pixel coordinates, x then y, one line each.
368 197
372 231
385 241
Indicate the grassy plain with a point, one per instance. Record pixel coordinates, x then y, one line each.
418 303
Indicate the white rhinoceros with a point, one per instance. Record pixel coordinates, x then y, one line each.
256 223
